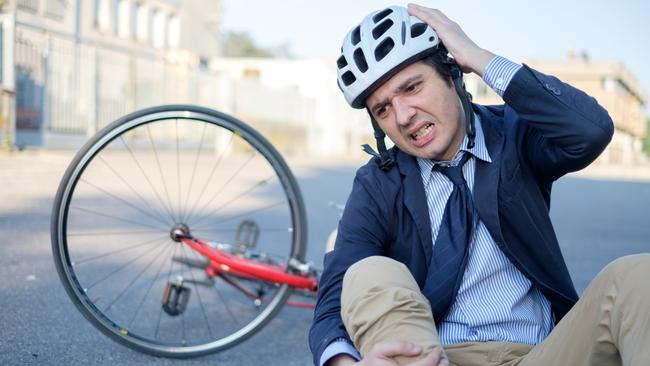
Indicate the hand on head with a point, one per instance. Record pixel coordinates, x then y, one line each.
469 56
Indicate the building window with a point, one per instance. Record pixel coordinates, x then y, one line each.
55 8
29 4
159 31
103 11
173 32
124 18
142 23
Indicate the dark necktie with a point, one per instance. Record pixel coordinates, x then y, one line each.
450 250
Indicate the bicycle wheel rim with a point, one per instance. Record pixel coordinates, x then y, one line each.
61 212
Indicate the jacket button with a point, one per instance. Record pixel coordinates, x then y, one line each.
554 89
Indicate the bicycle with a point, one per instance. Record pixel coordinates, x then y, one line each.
180 231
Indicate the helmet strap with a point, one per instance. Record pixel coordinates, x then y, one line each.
385 161
466 102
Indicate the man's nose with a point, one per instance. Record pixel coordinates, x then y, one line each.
404 112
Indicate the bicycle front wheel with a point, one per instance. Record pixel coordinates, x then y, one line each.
136 181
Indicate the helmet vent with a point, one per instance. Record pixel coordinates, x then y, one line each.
403 33
417 29
348 78
381 15
360 60
341 62
382 28
384 48
356 36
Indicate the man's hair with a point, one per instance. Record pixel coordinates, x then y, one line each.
439 61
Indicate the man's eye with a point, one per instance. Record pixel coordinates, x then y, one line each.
381 111
411 87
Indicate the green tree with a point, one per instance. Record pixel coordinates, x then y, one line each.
646 140
240 44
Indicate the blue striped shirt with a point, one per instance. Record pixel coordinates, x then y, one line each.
495 301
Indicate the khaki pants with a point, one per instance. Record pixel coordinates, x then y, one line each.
610 324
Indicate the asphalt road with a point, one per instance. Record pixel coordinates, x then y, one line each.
596 221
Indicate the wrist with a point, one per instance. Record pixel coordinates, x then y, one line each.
341 360
479 61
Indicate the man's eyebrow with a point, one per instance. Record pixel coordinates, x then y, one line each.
400 88
406 83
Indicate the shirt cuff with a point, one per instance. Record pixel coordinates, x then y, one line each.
336 348
498 73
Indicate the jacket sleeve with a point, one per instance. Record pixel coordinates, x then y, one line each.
566 129
362 233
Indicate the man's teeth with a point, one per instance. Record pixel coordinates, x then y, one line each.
423 131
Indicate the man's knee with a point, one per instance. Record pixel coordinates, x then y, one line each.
630 270
374 275
377 271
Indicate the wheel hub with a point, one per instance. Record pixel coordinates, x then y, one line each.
180 231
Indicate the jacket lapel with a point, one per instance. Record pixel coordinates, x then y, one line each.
486 181
415 200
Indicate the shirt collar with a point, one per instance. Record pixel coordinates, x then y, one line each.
479 151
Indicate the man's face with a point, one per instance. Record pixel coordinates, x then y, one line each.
419 112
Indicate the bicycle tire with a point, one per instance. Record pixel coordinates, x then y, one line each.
82 235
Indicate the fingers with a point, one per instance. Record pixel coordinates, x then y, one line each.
467 54
435 358
434 17
395 348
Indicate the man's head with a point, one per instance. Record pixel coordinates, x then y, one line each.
379 58
419 110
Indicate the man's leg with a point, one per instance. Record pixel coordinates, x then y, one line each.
381 301
610 324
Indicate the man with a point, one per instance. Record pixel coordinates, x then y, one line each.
446 240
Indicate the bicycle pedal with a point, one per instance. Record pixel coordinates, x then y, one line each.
247 234
175 298
194 263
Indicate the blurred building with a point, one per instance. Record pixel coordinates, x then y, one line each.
72 66
296 103
613 86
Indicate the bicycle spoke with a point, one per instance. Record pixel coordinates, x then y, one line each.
155 279
178 175
196 289
128 286
250 158
182 313
123 201
116 218
214 168
279 203
211 229
196 161
150 242
110 233
162 177
119 269
128 185
169 274
146 177
244 193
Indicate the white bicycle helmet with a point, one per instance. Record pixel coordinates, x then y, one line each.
372 52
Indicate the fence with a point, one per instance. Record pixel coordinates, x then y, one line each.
77 88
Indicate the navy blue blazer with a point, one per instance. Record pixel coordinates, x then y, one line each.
545 130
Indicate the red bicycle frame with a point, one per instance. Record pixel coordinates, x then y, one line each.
222 262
